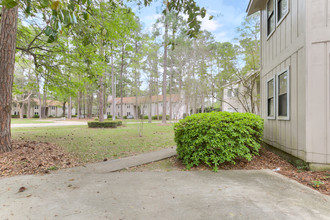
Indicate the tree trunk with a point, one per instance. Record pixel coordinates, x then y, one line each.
89 104
113 88
29 108
8 30
101 88
21 110
121 81
40 102
165 66
170 85
70 108
157 109
202 103
44 103
63 108
136 110
84 104
150 102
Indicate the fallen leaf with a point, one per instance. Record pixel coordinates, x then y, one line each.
22 189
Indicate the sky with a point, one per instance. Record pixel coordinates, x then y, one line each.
228 15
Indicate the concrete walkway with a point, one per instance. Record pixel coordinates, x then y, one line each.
123 163
54 124
67 123
96 192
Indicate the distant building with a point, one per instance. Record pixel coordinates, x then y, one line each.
53 108
242 96
144 104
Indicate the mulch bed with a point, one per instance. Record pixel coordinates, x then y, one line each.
31 157
269 160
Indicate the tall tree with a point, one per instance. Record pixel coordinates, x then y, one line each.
8 30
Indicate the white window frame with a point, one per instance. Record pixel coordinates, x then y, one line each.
274 97
283 118
278 22
275 11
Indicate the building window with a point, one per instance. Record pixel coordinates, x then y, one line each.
36 107
270 17
229 93
283 95
271 99
282 9
53 107
235 94
36 113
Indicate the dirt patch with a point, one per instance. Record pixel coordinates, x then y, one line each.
319 181
31 157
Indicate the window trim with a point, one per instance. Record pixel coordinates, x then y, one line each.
271 33
278 22
283 118
274 97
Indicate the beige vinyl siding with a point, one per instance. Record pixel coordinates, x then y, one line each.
288 135
318 86
286 49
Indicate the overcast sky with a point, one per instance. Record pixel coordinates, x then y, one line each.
228 15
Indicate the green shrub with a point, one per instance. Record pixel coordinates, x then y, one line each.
14 116
160 117
35 116
154 117
24 116
105 124
125 117
119 122
218 137
145 117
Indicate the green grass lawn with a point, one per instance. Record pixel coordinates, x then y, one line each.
29 121
91 145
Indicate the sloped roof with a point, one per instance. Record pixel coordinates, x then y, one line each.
48 102
246 77
255 6
145 99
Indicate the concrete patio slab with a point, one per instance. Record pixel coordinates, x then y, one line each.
160 195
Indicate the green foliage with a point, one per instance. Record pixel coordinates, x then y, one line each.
53 168
119 122
317 183
155 117
105 124
125 117
218 137
35 116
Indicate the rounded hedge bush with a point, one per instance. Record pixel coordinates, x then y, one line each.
218 137
105 124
